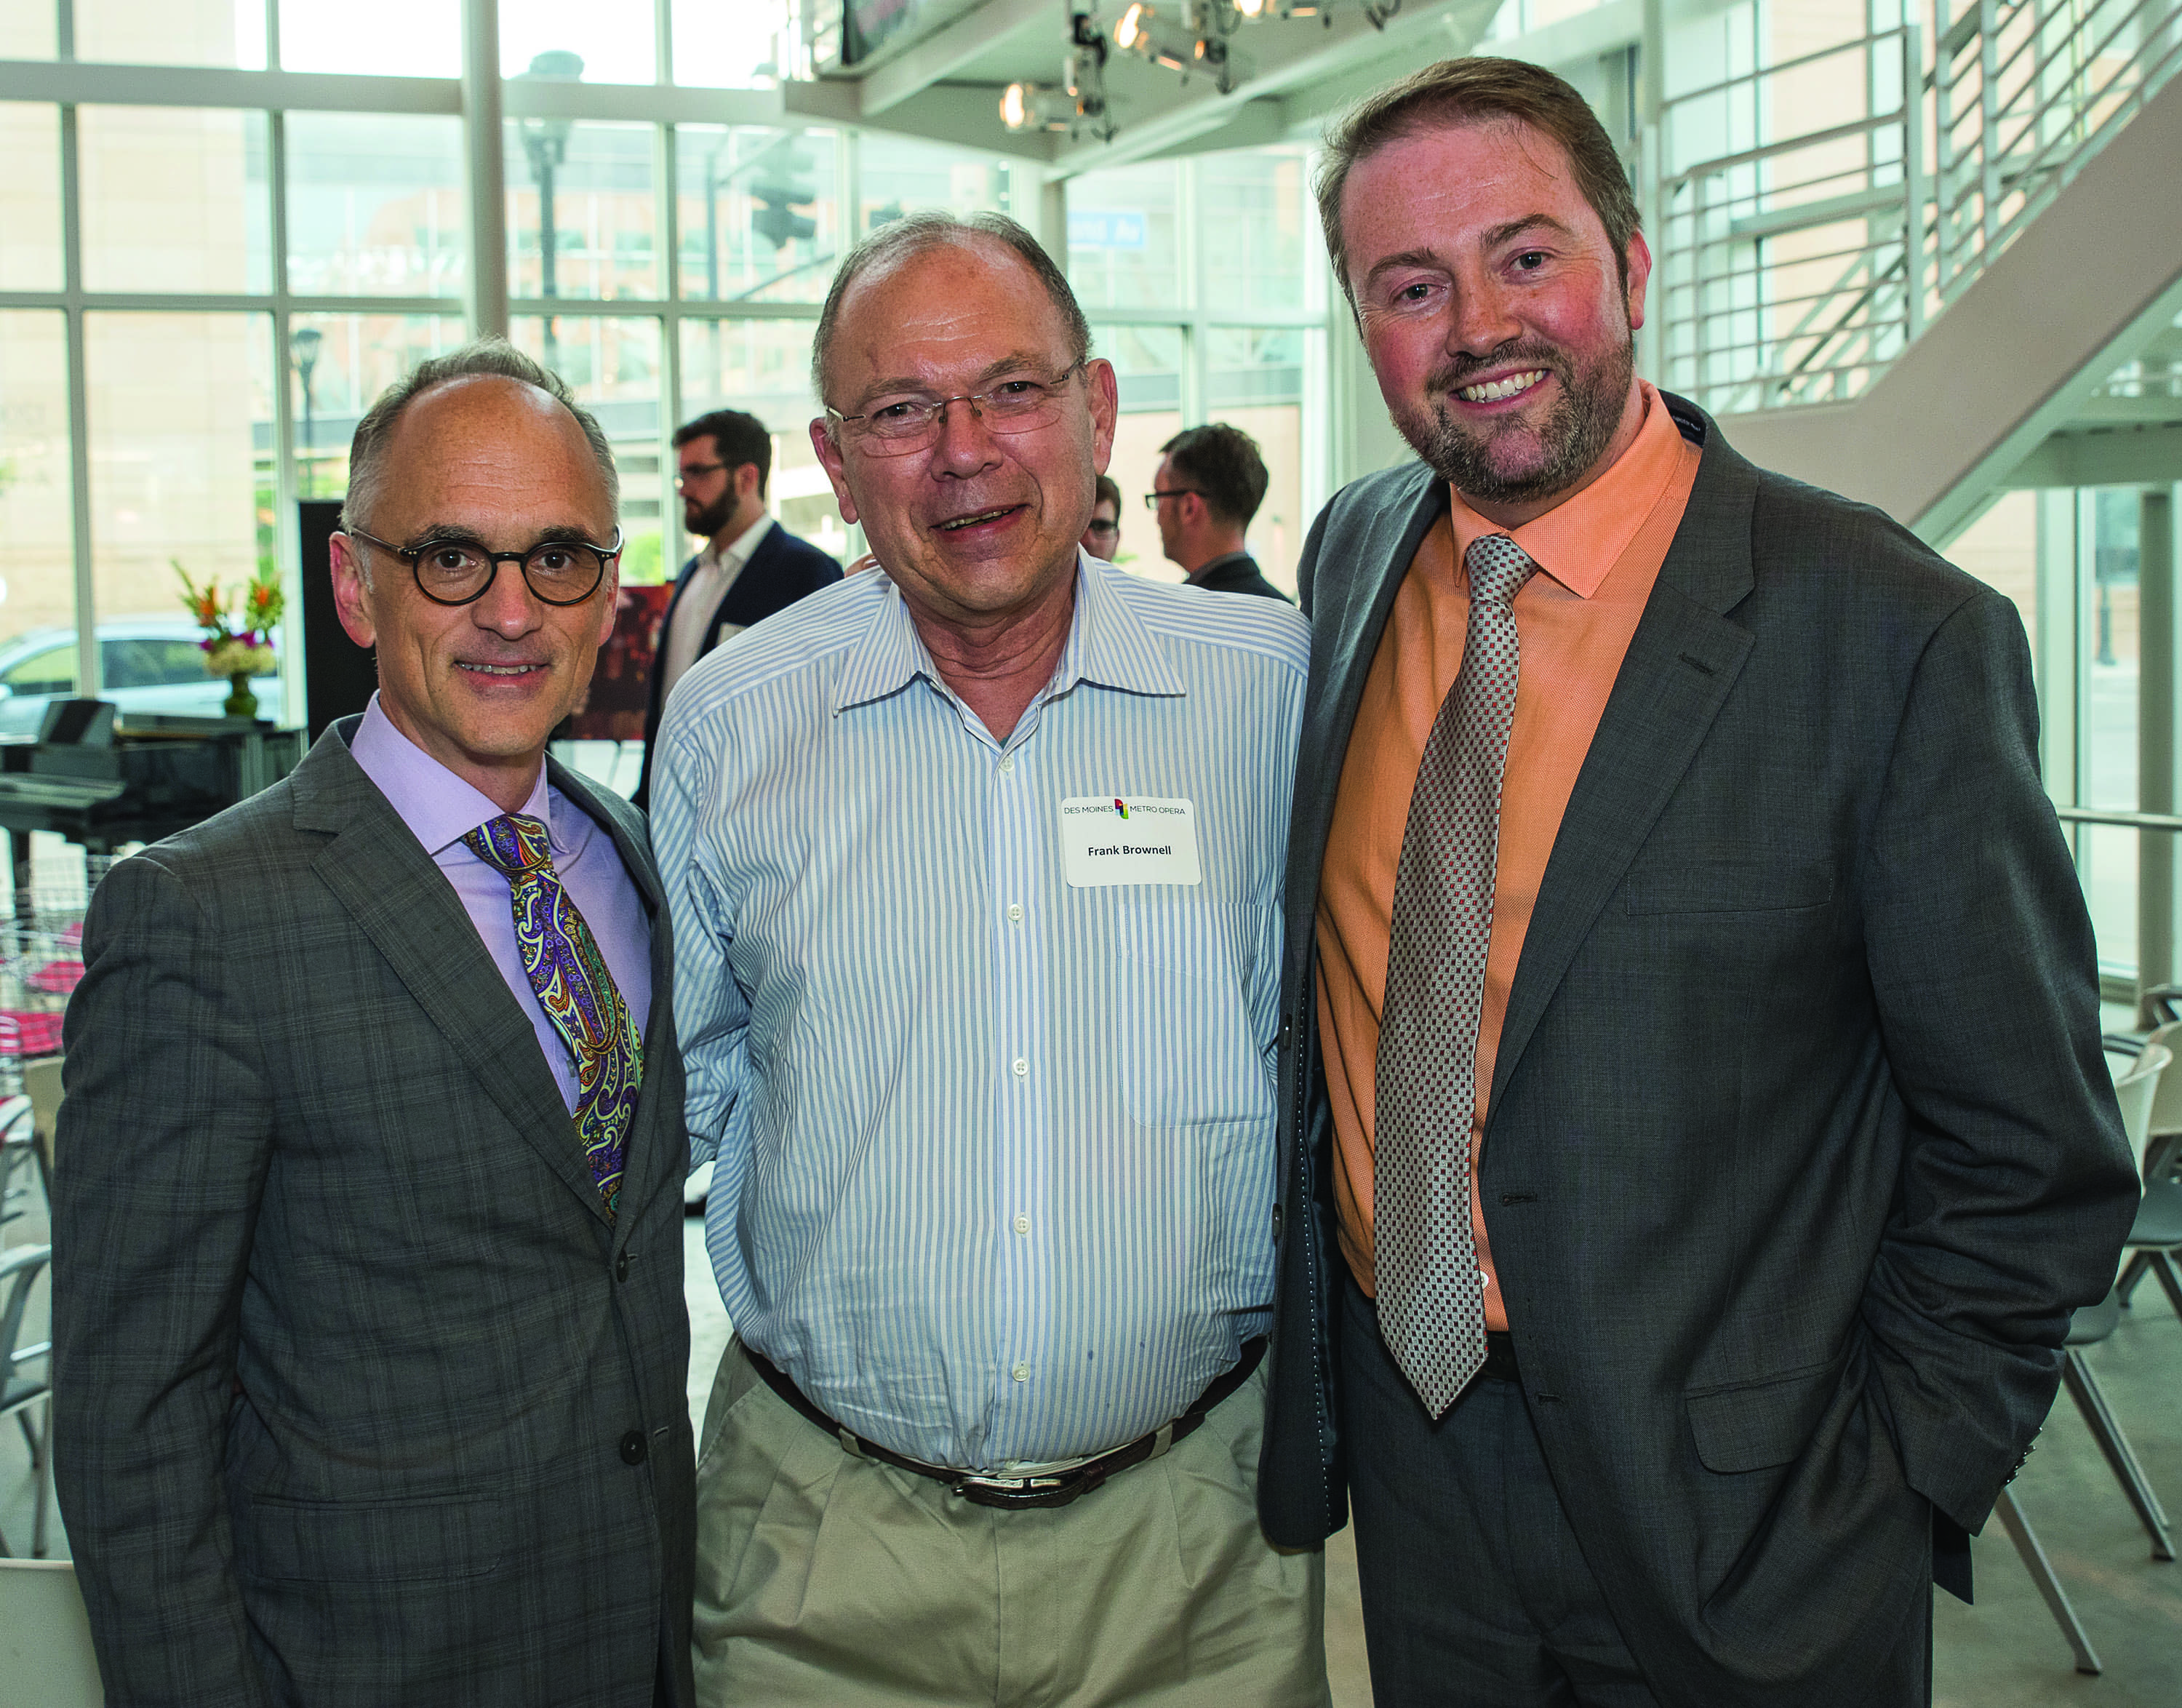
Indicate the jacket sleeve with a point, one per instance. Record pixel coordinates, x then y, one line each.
165 1136
2017 1186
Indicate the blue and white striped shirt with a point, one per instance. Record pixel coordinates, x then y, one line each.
994 1178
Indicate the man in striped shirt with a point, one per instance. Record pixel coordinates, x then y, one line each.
974 868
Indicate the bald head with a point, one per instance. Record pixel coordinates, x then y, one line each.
487 358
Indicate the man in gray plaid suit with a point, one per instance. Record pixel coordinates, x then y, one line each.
372 1350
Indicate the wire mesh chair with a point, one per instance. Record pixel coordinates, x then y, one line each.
19 1395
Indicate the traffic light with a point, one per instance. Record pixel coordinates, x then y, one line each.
782 186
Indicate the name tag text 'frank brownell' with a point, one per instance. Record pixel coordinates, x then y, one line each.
1119 839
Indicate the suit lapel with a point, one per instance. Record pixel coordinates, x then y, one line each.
1682 661
1350 602
404 904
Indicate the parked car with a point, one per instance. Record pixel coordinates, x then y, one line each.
149 663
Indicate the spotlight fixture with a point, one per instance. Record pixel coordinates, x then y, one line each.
1194 41
1083 73
1035 106
1081 98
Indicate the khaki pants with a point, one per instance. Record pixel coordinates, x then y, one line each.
826 1579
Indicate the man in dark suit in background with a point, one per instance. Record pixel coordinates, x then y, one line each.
371 1350
1691 1021
751 566
1209 483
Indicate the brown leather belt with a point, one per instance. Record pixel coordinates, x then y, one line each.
1010 1494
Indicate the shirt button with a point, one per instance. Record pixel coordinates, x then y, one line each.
1022 1224
1021 1372
1007 764
1014 912
1021 1067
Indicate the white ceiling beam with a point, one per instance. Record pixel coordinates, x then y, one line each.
962 114
947 50
74 83
1290 56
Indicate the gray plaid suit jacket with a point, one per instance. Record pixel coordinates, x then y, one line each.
360 1399
1801 1146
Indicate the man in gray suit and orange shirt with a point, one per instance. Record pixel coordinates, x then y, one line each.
371 1345
1690 1020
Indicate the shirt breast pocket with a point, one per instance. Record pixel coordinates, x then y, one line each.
1186 1048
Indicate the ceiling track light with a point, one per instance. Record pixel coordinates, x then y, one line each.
1195 40
1079 102
1259 11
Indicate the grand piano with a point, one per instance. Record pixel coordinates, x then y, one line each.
104 784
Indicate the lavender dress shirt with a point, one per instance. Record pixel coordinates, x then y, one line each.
440 809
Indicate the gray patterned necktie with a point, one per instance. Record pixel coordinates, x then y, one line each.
1432 1295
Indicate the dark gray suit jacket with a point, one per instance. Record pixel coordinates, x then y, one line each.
1800 1145
360 1399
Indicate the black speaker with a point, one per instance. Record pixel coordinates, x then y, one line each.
339 675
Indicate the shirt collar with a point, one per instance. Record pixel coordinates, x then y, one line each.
739 549
439 807
1108 645
1578 541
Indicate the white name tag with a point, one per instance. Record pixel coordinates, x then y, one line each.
1128 840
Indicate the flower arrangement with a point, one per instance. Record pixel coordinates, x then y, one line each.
235 644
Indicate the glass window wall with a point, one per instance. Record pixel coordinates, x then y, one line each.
375 205
759 213
30 196
1124 241
388 38
174 200
177 404
615 44
582 219
170 32
37 577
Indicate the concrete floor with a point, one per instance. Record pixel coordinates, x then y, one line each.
2004 1653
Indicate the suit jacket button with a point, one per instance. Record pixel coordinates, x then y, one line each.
1277 1221
621 1266
631 1448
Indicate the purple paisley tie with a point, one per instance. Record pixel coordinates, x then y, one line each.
573 986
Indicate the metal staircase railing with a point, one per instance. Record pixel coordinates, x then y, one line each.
1793 260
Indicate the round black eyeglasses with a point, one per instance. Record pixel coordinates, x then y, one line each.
458 572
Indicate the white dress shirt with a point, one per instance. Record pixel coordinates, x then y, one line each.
994 1178
716 574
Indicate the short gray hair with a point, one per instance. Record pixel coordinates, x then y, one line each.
487 357
915 233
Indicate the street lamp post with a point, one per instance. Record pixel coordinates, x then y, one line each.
304 342
545 140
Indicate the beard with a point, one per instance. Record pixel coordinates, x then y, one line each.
708 519
1489 464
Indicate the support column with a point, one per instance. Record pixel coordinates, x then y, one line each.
1052 216
481 135
2156 707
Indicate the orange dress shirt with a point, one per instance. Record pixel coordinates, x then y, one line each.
1600 553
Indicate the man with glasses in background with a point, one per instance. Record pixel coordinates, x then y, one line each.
1102 533
371 1345
751 566
1209 483
975 866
